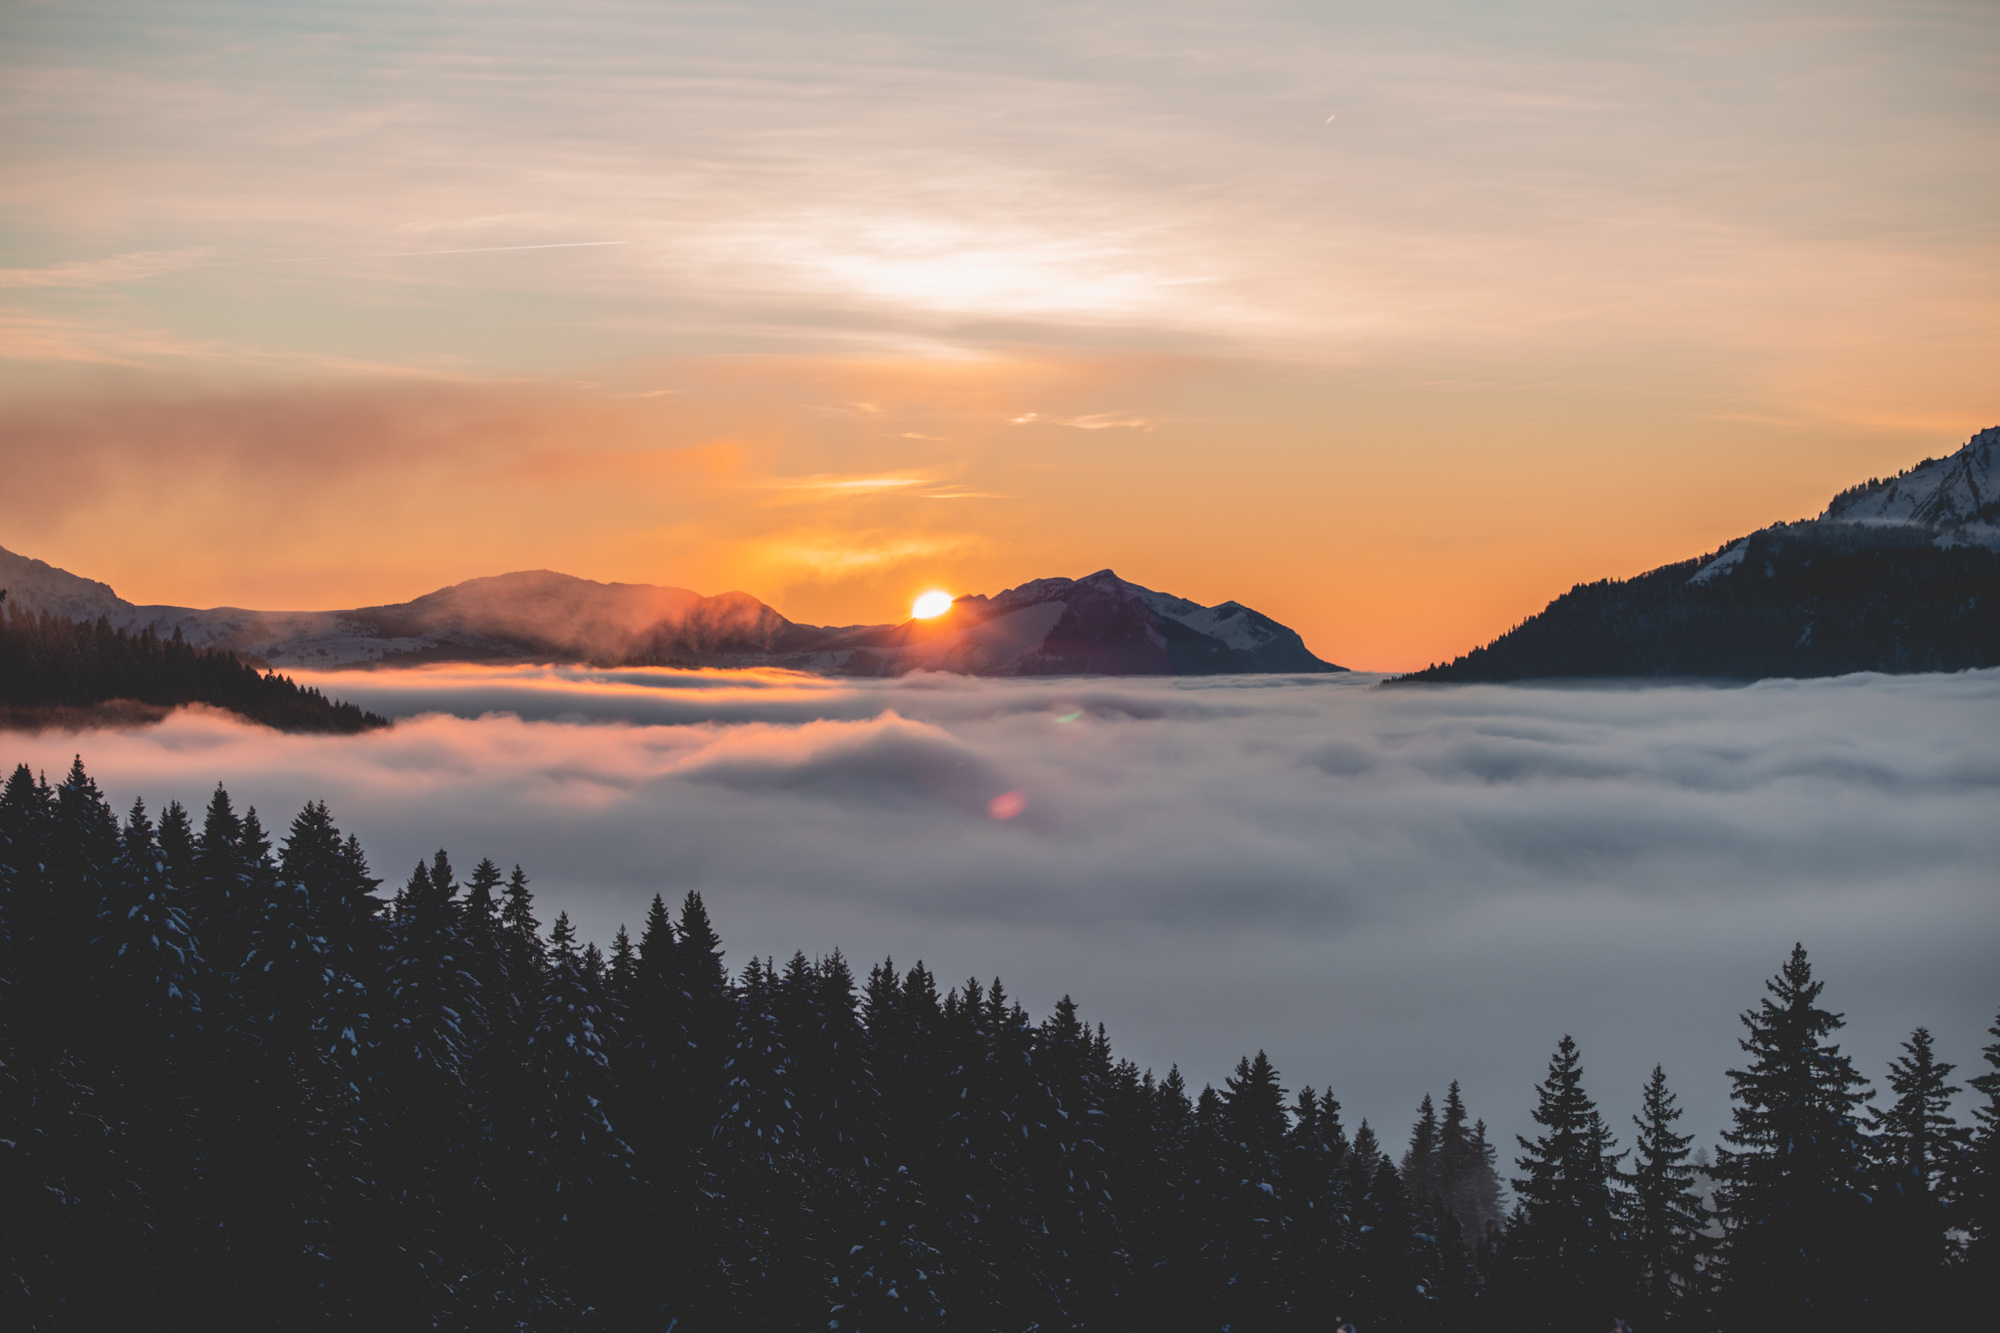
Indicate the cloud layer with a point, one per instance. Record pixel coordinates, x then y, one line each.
1387 889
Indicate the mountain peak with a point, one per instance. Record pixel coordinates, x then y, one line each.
1957 496
1098 624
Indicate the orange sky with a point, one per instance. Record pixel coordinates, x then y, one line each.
1392 328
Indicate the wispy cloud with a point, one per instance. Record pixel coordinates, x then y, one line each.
848 178
830 557
1110 421
104 272
853 488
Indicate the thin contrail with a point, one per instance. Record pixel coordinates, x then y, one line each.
403 254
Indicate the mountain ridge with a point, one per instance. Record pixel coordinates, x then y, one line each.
1897 575
1099 624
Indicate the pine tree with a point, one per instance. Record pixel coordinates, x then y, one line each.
426 1138
887 1282
523 933
486 951
1318 1204
1486 1189
1918 1151
1068 1163
624 967
581 1169
219 893
1456 1166
1422 1169
90 1060
841 1122
766 1247
1244 1250
181 847
1665 1217
146 963
1979 1191
1794 1195
1389 1284
708 1018
997 1243
1564 1247
286 1138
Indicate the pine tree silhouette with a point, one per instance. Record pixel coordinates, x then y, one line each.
1978 1194
435 1117
1666 1220
1794 1198
1564 1250
1919 1149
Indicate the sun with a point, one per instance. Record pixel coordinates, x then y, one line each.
931 604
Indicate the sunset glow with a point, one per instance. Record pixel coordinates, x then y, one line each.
771 665
1351 318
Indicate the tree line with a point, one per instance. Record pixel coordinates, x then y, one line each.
238 1083
56 669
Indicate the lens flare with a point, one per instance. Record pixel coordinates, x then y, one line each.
1007 804
931 604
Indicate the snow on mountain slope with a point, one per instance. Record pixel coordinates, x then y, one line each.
1095 625
1958 496
1722 564
1955 498
33 585
1098 625
536 614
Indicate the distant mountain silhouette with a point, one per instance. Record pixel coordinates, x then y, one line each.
1096 625
1897 575
1099 625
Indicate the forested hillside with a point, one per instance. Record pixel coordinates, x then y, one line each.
57 670
1805 599
239 1086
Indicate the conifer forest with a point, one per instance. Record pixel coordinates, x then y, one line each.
54 670
246 1083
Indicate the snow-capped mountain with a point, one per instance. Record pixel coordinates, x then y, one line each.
536 614
1957 496
1895 576
1952 501
1099 625
1096 625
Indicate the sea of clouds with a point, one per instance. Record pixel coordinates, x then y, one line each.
1384 888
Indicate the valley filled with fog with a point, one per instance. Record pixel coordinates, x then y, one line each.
1385 888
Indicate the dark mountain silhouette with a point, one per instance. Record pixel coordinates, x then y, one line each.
1095 625
1099 625
1898 575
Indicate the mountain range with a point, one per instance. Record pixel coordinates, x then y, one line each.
1099 625
1896 575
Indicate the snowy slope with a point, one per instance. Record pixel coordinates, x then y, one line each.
1957 496
1098 625
1955 500
536 615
